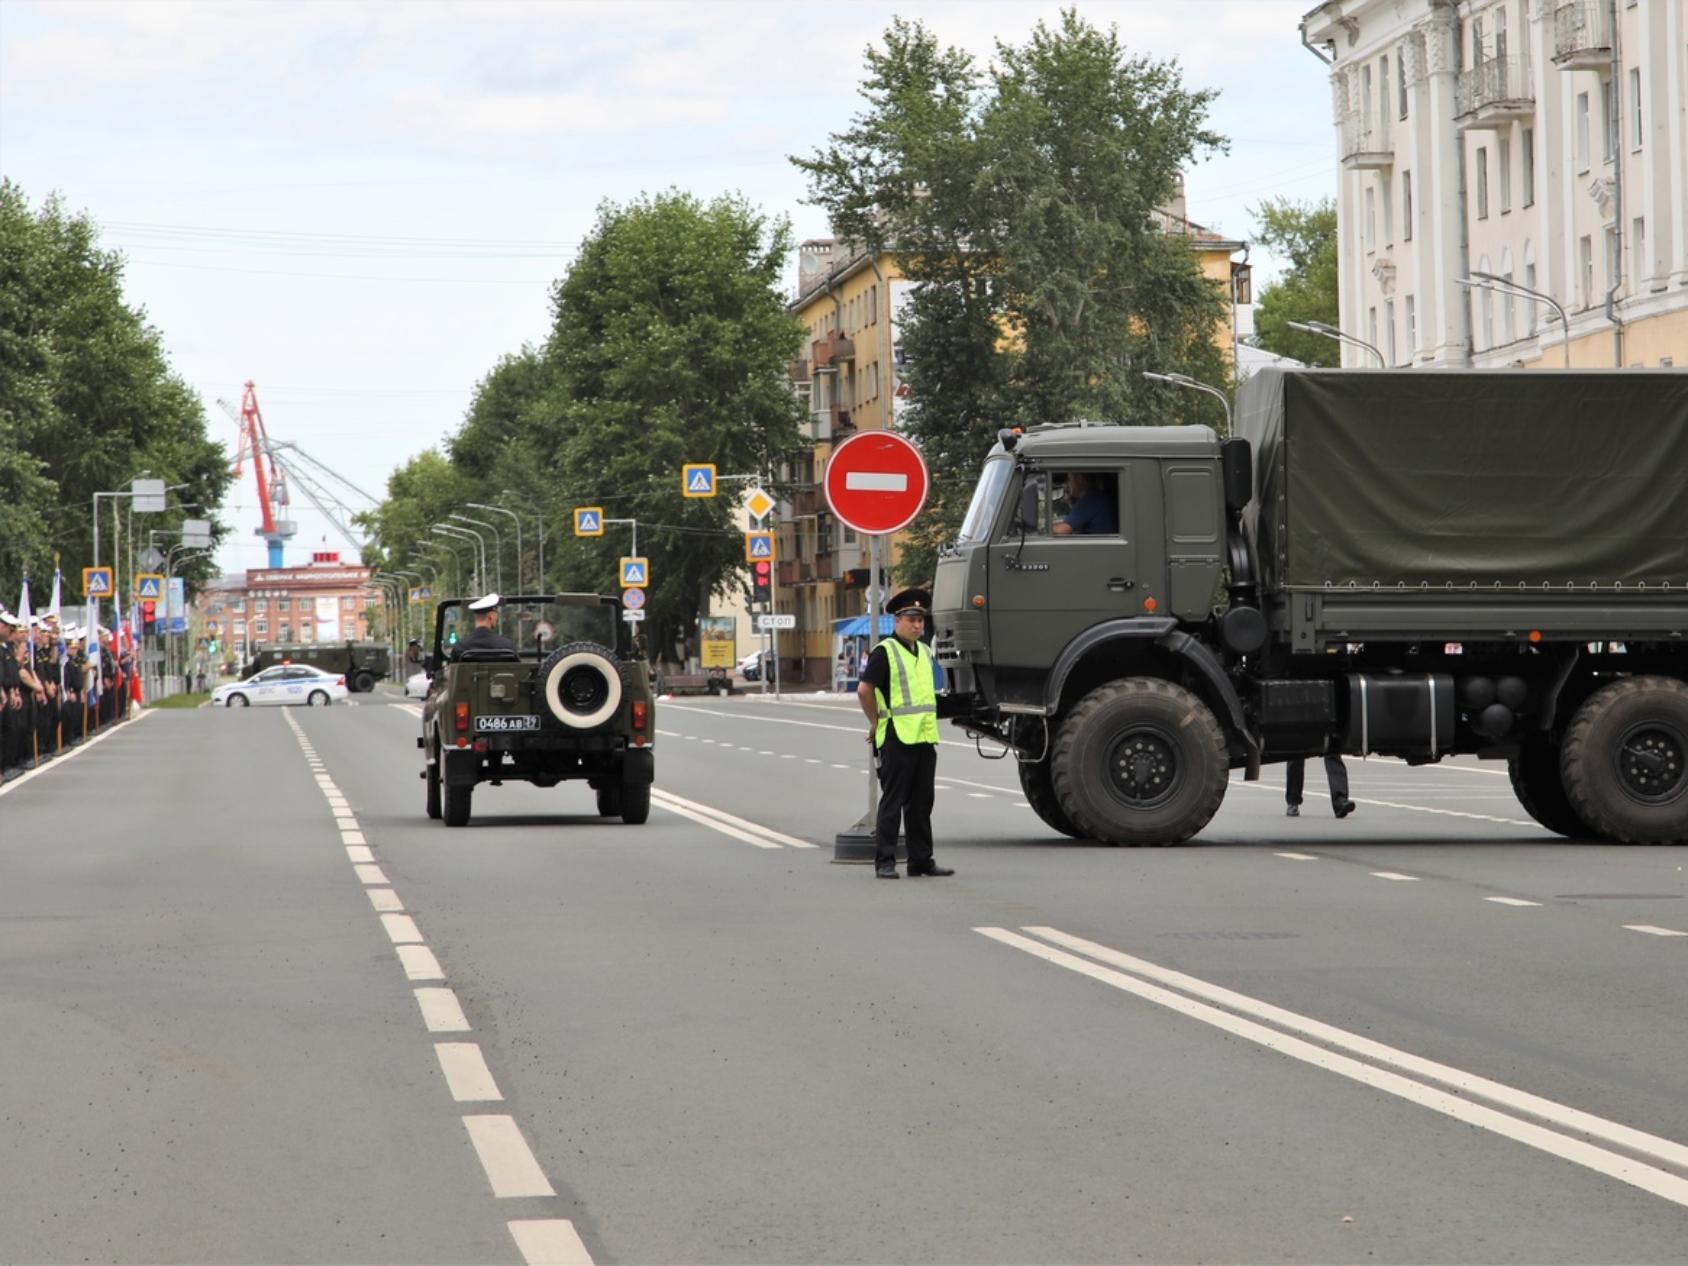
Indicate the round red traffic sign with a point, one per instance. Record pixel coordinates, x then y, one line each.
876 482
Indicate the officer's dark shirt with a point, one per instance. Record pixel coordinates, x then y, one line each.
878 675
483 639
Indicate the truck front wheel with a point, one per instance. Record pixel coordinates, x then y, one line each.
1039 785
1140 761
1540 787
1625 761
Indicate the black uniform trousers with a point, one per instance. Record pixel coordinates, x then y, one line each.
907 787
1295 777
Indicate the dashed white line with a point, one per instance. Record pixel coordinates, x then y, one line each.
1652 930
369 874
466 1074
1511 901
980 795
401 929
549 1242
1395 875
441 1012
384 900
359 853
1297 857
506 1157
351 837
419 963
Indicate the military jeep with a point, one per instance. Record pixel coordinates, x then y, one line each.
569 702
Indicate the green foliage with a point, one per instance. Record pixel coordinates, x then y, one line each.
1021 198
87 401
1305 234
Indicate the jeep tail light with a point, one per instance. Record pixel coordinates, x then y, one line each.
638 714
462 712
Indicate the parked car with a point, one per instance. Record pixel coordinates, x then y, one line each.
416 686
283 684
752 666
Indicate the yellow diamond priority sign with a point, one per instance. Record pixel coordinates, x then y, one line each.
758 503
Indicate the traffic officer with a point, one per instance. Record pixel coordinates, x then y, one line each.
486 636
900 700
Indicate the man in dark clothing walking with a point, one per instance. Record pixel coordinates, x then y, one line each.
1295 777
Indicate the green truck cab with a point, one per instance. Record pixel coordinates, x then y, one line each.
570 702
1416 565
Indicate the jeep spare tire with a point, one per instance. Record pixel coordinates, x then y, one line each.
581 684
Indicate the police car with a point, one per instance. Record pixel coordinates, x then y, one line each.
284 684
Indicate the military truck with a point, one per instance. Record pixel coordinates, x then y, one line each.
569 702
362 663
1409 564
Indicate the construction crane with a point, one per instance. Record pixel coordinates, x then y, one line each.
272 485
312 476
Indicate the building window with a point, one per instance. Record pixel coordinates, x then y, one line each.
1476 42
1528 56
1500 34
285 632
1383 99
1371 326
1389 332
1582 131
1608 121
1529 158
348 603
1482 182
240 628
1365 98
1508 309
1612 244
1529 283
1371 219
1638 247
1503 171
260 605
1388 200
1406 206
1412 327
283 604
1585 268
1635 108
1401 85
260 627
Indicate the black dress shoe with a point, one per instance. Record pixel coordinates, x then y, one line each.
1292 811
929 870
1345 808
885 872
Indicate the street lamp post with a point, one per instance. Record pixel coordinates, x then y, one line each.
497 549
539 527
1184 380
477 546
1505 285
456 560
1325 330
481 505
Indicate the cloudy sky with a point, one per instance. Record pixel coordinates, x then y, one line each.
360 206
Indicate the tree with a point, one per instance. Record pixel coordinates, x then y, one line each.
1022 200
1305 235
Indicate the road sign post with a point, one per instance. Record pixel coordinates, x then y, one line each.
876 484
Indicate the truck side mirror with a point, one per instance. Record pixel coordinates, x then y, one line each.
1029 498
1236 465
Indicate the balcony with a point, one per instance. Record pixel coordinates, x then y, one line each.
798 371
1493 94
1365 148
1581 38
831 350
841 426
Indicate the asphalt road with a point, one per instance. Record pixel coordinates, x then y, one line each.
1431 1032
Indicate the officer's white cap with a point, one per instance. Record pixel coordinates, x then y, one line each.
6 617
488 603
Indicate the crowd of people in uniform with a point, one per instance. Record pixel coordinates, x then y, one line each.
49 703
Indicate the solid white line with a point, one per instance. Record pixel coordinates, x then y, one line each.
790 841
1511 901
1297 857
982 786
1625 1169
466 1073
420 963
441 1011
12 784
385 900
1395 875
401 929
1470 1084
410 708
359 853
351 837
549 1242
506 1157
1651 930
369 874
712 824
807 725
1277 788
980 795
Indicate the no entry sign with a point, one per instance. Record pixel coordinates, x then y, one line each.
876 482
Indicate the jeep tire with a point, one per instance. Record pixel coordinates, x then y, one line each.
580 684
635 803
1625 761
609 799
456 803
431 772
1140 761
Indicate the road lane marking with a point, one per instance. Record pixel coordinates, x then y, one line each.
351 837
401 929
441 1012
1297 857
549 1242
980 795
1651 930
466 1074
812 760
1395 876
836 765
410 708
1511 901
342 814
767 832
662 803
420 963
1469 1084
506 1157
384 900
1625 1169
359 853
808 725
369 874
1277 789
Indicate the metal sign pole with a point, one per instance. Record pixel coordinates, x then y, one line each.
855 844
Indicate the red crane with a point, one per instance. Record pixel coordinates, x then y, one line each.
272 485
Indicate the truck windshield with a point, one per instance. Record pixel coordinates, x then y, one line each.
986 497
537 626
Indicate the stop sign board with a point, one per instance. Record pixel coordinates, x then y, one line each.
876 482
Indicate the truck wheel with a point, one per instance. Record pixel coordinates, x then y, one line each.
1540 788
432 770
456 804
1039 786
635 804
1625 761
609 800
1140 761
363 683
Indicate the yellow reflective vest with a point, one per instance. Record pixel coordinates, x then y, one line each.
913 706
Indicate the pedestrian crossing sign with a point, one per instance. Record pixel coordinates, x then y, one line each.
96 582
149 586
589 520
758 547
697 479
635 573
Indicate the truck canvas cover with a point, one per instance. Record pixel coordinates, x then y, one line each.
1472 478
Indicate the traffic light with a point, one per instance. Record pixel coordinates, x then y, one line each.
762 581
149 612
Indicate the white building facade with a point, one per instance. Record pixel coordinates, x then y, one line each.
1541 141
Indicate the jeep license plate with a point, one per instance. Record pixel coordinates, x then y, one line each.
486 724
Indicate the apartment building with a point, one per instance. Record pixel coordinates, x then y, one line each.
1529 141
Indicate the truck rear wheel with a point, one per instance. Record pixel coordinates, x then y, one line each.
1039 785
1540 788
363 683
1625 761
1140 761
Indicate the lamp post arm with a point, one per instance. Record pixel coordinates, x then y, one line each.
480 505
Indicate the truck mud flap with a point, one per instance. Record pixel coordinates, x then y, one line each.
1212 672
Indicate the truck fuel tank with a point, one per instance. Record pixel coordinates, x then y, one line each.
1400 714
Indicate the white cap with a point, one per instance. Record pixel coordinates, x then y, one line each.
488 603
6 617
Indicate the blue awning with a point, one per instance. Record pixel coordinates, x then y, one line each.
857 626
